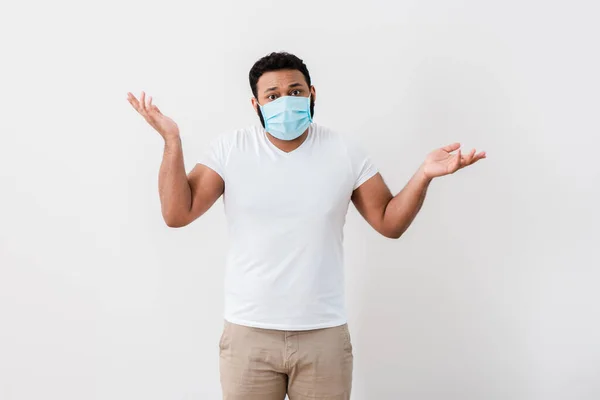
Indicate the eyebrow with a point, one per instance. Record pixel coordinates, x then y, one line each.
292 85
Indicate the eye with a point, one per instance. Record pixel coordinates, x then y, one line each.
272 97
297 92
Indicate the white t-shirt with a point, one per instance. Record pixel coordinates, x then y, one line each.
286 212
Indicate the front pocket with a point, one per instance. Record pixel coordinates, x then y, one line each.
346 337
223 338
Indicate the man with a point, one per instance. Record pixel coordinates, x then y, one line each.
287 185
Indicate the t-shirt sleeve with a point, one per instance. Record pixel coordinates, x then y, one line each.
362 166
215 156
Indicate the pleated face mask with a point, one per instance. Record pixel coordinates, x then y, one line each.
287 117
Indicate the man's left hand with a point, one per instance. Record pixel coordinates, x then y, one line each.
441 162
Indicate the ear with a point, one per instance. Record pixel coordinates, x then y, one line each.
254 104
313 93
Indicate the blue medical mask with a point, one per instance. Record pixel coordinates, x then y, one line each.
287 117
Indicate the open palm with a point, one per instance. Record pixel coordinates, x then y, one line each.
163 124
442 162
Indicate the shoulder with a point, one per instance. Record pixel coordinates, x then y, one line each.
237 137
232 136
325 134
349 144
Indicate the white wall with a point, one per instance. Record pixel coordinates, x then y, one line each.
491 294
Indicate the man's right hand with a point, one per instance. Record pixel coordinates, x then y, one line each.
164 125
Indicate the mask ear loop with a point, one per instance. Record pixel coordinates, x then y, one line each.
309 113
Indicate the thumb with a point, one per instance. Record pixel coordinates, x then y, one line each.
451 147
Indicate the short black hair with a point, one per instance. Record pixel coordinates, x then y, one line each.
273 62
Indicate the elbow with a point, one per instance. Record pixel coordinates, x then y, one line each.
393 235
174 224
174 221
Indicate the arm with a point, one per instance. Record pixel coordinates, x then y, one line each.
182 198
387 214
185 198
392 215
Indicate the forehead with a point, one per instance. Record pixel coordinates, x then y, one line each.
281 79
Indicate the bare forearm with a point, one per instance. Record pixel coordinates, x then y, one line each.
173 187
404 207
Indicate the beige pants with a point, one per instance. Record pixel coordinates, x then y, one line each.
265 364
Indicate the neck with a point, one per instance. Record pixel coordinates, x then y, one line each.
288 145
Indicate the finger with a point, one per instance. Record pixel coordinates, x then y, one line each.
451 147
474 161
132 105
146 104
480 155
148 101
143 102
456 165
477 158
134 102
153 110
469 157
